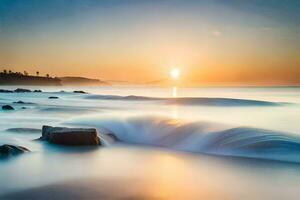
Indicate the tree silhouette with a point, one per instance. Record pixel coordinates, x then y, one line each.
37 73
47 75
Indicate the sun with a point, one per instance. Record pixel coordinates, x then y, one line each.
175 73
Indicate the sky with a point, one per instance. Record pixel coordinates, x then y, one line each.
211 42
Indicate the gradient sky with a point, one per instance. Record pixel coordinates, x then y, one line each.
212 42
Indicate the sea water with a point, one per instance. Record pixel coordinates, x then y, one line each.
169 143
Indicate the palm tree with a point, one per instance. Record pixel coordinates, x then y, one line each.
37 73
47 75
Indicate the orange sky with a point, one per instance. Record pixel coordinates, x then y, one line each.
211 43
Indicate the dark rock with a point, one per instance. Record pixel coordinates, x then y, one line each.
23 108
7 107
79 91
52 97
24 130
70 136
8 150
19 102
5 91
21 90
37 91
22 102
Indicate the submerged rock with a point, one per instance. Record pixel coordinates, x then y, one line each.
37 91
5 91
70 136
24 130
22 102
8 150
19 102
79 91
52 97
21 90
7 107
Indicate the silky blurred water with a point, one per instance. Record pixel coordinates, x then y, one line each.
240 149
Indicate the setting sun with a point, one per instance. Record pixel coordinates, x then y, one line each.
175 73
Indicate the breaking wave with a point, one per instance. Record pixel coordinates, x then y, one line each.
200 137
189 100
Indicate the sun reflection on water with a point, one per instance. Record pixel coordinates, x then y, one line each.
174 91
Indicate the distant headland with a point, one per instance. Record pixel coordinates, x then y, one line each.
71 80
17 78
8 77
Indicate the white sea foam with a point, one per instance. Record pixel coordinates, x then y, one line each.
201 137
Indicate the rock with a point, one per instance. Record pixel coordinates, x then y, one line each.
52 97
23 108
5 91
22 102
7 107
8 150
24 130
79 91
70 136
21 90
19 102
37 91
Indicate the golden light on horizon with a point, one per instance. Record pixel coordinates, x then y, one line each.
175 73
174 91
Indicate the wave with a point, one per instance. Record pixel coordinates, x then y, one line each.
65 109
117 97
206 101
201 137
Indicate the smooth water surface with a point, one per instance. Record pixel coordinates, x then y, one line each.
213 143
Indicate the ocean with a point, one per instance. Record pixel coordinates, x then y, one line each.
169 143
